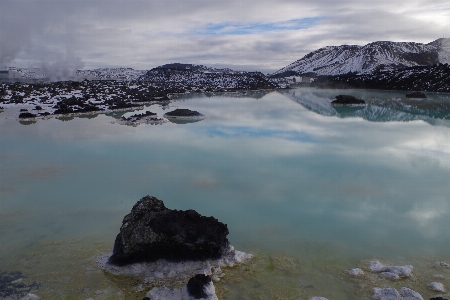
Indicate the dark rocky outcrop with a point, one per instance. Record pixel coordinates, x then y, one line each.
196 286
151 231
182 112
27 115
437 298
347 100
434 78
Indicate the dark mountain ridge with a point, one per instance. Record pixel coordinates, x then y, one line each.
434 78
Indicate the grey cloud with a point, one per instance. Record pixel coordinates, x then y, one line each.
145 34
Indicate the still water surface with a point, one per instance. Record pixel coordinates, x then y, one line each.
310 190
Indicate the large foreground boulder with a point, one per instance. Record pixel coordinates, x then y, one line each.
151 232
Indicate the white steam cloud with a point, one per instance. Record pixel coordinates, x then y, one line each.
63 68
38 33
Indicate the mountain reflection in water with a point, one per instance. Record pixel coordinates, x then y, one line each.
382 106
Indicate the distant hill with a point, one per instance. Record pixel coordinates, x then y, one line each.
207 79
373 57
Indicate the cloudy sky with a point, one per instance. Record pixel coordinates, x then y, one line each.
263 35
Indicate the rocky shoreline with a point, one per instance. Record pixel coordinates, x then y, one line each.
372 279
158 84
94 97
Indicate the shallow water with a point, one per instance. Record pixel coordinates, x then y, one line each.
311 190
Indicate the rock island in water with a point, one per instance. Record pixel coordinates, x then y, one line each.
165 247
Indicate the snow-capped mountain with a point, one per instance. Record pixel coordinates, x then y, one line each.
376 56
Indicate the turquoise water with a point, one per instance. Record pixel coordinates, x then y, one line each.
310 190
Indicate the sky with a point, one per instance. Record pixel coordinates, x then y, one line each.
263 35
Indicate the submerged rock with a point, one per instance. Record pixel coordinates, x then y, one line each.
436 286
164 293
13 286
391 272
31 297
356 272
151 232
208 292
441 264
386 294
392 294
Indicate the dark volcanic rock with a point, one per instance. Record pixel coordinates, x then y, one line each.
179 112
347 100
27 115
151 231
434 78
196 286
